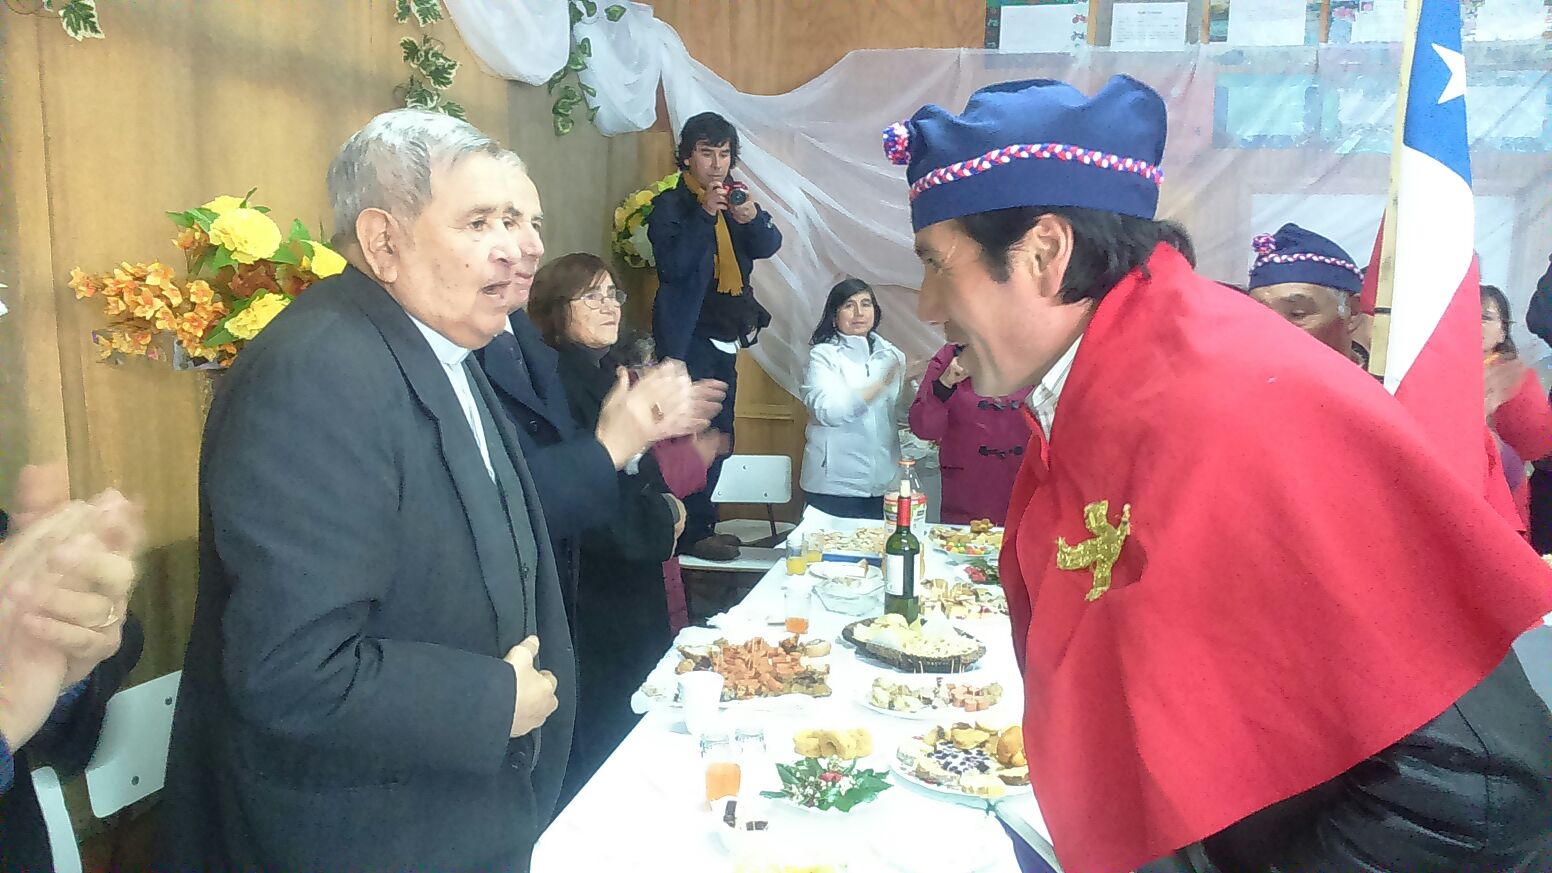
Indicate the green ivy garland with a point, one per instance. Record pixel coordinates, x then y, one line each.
573 96
431 70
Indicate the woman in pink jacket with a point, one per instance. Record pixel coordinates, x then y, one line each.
981 440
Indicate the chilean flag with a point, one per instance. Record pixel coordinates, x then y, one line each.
1434 360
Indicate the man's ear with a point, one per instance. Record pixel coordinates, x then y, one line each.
1044 253
377 235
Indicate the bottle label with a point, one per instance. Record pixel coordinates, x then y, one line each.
900 575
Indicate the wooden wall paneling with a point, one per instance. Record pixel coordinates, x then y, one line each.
32 416
262 95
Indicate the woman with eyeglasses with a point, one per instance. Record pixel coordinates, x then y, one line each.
981 440
1517 408
622 608
850 388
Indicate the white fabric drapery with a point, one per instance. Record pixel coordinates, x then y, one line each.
1257 137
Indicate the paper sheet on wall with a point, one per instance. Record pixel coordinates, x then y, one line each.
1148 27
1511 19
1266 22
1053 27
3 310
1379 21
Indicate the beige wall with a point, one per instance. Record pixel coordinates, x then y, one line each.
179 103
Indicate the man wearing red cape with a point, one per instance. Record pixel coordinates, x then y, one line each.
1262 627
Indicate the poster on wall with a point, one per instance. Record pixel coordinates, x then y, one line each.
1379 21
1267 22
1016 26
1505 20
1148 27
1265 111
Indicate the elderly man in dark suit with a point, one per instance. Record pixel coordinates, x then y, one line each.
365 687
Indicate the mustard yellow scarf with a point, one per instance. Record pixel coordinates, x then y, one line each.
730 279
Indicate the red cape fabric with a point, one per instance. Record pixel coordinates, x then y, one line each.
1304 584
1444 383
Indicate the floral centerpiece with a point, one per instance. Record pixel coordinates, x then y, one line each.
240 271
630 223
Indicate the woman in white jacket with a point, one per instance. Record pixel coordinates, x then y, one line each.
850 388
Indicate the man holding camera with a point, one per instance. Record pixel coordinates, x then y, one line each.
706 234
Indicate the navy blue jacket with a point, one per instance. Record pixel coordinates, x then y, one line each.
572 471
684 243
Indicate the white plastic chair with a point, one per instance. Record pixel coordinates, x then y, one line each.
762 479
130 764
61 833
131 760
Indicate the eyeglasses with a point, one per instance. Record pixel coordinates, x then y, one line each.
997 405
596 298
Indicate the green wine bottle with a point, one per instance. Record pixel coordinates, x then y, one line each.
902 552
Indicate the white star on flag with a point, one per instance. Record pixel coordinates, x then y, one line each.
1456 86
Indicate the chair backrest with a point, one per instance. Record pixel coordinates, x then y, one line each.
754 479
51 797
131 759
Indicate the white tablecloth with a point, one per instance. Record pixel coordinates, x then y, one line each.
644 809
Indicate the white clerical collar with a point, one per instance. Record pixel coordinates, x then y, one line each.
448 352
1043 399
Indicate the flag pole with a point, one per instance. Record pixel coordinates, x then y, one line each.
1385 287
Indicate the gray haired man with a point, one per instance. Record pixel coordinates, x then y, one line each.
380 675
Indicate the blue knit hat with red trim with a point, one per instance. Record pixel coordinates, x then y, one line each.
1036 142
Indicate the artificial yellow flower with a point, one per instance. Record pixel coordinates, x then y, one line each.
84 284
248 234
224 204
200 292
190 238
325 262
247 324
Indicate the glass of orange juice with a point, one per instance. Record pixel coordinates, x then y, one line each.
800 598
812 549
797 560
722 770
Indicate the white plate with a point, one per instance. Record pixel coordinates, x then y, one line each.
859 577
977 845
959 557
907 775
936 714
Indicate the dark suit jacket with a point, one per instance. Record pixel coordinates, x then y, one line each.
344 706
571 469
67 746
684 243
622 606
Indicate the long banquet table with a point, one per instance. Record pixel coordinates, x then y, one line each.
645 808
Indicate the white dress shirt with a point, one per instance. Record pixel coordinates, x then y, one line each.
452 357
1043 399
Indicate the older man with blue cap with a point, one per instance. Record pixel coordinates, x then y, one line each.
1310 281
1215 678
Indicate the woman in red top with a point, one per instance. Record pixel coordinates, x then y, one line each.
1517 407
980 440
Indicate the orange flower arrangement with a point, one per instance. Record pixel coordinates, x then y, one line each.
241 273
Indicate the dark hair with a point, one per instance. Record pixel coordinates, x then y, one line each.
557 284
1106 246
1495 294
842 292
711 129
